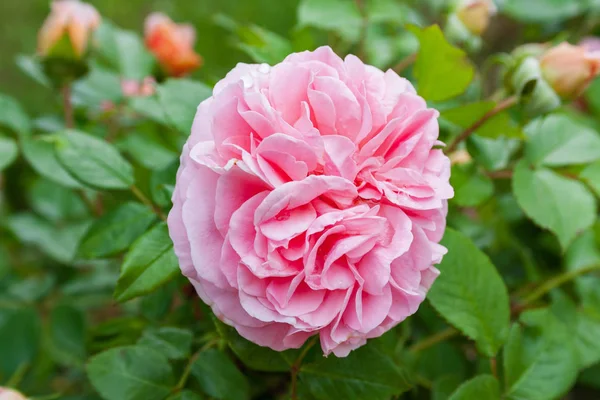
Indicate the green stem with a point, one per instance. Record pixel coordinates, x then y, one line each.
405 63
68 107
433 340
557 281
296 366
503 105
140 195
188 368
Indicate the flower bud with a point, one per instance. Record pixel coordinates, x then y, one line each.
66 31
476 14
172 44
569 69
134 88
9 394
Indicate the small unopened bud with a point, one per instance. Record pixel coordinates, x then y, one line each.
9 394
460 157
172 44
476 15
67 30
134 88
569 69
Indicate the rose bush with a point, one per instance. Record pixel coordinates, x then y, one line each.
188 208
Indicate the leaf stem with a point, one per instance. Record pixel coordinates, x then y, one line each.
68 106
188 368
503 105
405 63
494 367
140 195
296 366
433 340
557 281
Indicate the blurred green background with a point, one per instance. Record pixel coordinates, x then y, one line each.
21 19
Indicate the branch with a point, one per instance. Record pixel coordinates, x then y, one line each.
503 105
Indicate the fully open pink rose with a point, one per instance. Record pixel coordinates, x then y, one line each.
310 201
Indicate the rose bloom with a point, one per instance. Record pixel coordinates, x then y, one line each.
476 15
71 20
9 394
172 44
310 200
570 69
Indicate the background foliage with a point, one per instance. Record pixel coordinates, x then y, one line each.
92 305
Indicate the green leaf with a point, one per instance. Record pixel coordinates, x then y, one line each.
218 376
32 67
93 161
444 387
13 116
115 231
148 107
180 99
131 373
442 70
481 387
125 51
149 264
252 355
390 11
470 294
587 333
186 395
8 152
562 205
68 335
173 343
539 358
492 154
148 150
54 202
162 183
19 339
97 88
42 158
558 140
542 11
340 16
471 186
591 176
60 242
365 374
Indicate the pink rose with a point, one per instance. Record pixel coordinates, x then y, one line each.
9 394
310 201
71 22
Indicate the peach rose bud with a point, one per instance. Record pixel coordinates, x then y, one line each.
570 69
476 15
172 44
9 394
67 30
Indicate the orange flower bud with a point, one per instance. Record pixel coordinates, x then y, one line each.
569 69
476 15
172 44
9 394
67 29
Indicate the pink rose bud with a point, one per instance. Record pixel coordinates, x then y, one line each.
67 29
310 200
590 43
9 394
172 44
476 15
133 88
569 69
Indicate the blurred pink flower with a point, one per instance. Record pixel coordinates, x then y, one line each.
590 43
9 394
134 88
476 15
570 69
172 44
310 200
67 29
